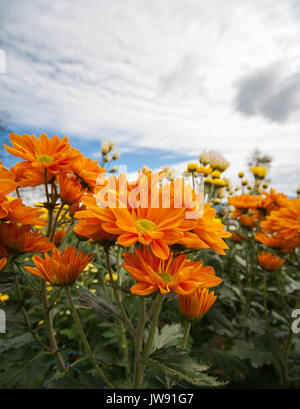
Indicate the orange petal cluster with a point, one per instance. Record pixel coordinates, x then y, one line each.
7 181
159 226
285 222
71 189
277 242
208 233
269 261
193 306
91 228
178 275
21 239
51 153
3 262
15 211
62 268
86 171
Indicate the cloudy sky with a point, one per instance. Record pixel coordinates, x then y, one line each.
164 79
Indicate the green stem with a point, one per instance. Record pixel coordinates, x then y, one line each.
281 290
62 244
119 303
276 350
27 321
265 296
55 298
49 325
149 343
123 344
137 378
187 328
64 214
153 326
248 277
152 307
55 221
33 287
102 280
85 341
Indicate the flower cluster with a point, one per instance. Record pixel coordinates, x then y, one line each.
155 239
159 231
273 219
66 175
76 190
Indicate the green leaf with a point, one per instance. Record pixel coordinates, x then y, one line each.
108 355
179 365
7 281
241 261
256 356
69 333
66 382
255 325
16 342
169 335
98 304
240 372
292 285
221 325
21 372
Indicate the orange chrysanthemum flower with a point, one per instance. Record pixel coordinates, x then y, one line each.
244 201
269 261
285 221
51 153
17 212
157 227
274 201
59 235
286 246
248 221
3 262
70 189
208 233
22 239
193 306
238 238
27 176
62 268
76 207
4 206
181 275
7 181
91 228
87 171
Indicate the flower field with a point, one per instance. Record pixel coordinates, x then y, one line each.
163 282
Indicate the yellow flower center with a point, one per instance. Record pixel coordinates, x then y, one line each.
166 278
45 159
144 225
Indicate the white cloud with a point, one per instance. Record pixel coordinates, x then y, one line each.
150 73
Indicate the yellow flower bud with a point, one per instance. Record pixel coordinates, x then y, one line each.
116 156
192 167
